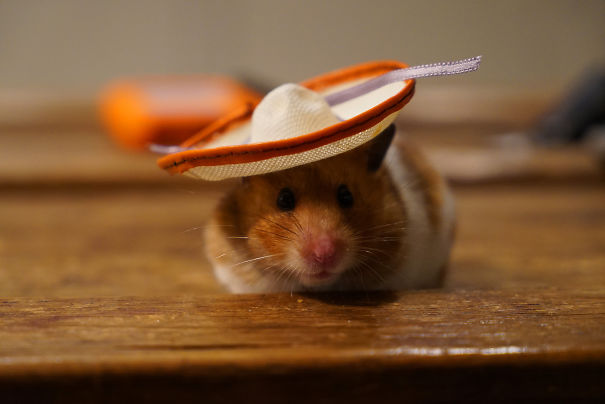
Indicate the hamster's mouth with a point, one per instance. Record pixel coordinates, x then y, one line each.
317 278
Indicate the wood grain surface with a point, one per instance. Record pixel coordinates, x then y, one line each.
416 345
106 295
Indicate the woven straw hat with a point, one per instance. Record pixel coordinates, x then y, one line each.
298 124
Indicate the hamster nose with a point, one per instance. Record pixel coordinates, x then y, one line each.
323 251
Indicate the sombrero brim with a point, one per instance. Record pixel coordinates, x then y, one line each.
217 152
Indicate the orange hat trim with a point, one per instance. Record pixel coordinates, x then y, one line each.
183 161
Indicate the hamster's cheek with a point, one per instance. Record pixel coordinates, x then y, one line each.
264 241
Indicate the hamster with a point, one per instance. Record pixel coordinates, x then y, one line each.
373 218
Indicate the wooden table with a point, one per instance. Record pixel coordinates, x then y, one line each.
105 293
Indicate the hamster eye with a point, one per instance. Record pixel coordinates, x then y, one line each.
344 196
285 200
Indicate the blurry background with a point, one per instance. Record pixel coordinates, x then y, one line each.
75 46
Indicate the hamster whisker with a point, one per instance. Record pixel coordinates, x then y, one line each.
389 238
279 225
386 233
269 267
297 223
290 273
281 236
373 252
234 252
284 275
208 225
397 223
392 232
275 279
370 239
193 229
375 260
359 272
391 229
242 237
371 269
256 259
360 267
281 273
385 225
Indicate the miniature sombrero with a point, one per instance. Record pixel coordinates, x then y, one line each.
299 124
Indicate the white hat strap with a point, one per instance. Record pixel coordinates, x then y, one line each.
415 72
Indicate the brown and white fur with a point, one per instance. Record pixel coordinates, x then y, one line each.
396 235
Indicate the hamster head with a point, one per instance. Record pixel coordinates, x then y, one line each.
334 224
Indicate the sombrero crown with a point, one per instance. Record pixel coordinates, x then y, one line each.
299 124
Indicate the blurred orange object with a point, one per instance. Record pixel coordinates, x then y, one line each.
168 110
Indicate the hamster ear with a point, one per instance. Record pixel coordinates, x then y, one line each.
377 147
